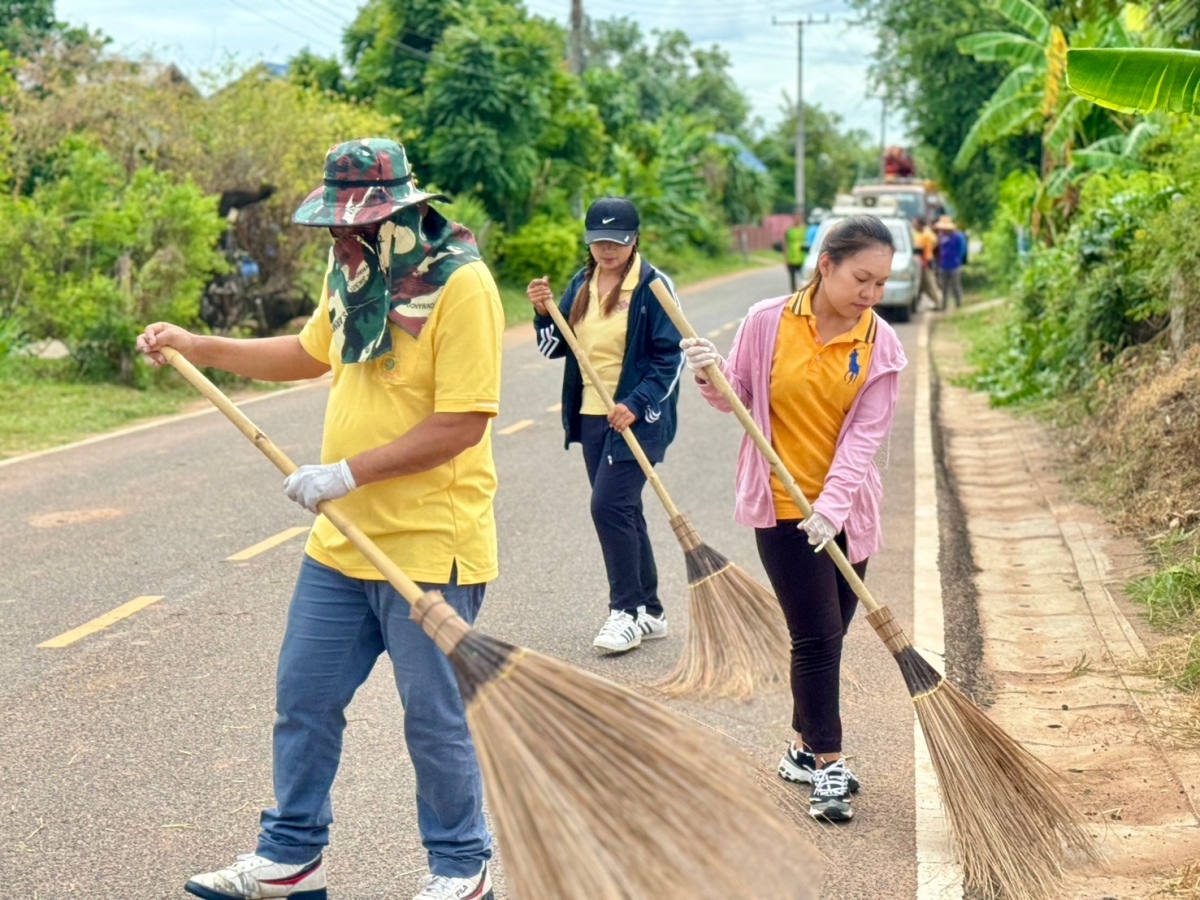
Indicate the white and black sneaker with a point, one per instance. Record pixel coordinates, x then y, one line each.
443 887
830 798
254 877
651 627
619 634
797 766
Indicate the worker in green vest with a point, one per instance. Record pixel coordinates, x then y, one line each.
795 247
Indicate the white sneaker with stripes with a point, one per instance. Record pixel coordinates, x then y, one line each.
619 634
652 627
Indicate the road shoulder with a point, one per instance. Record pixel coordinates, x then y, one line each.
1061 660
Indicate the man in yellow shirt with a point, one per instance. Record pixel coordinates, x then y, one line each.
410 324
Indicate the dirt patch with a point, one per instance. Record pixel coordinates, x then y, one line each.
1140 446
74 517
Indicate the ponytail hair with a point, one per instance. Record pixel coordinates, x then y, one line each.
848 238
579 306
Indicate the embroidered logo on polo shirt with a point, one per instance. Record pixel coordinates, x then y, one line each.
853 369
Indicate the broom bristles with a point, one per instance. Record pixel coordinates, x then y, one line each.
599 793
1013 826
737 639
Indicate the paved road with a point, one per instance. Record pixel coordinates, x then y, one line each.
140 753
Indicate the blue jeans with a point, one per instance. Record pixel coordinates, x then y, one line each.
336 627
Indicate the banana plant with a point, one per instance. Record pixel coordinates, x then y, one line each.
1031 94
1136 79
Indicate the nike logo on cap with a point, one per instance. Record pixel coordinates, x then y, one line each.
606 221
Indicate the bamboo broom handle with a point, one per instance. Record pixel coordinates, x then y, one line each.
638 453
406 586
717 377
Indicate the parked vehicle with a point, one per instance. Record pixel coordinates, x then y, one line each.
903 287
242 297
914 196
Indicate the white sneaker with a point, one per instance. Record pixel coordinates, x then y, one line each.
253 877
651 627
619 634
442 887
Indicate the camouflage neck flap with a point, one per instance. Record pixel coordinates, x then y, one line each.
398 276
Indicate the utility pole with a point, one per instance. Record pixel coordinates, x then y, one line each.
577 37
800 135
882 137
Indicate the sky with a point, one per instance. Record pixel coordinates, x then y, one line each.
206 34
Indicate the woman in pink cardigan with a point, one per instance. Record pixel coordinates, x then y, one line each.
820 372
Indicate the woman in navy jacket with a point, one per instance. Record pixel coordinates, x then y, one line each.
635 349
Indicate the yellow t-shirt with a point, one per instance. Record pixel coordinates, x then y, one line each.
428 522
603 339
926 241
812 388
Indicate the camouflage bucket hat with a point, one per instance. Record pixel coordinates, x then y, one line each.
366 181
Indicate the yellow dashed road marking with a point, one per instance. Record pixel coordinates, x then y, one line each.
516 426
557 407
263 546
124 611
715 333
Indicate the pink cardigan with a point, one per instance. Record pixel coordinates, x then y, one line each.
851 496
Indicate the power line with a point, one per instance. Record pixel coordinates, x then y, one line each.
257 12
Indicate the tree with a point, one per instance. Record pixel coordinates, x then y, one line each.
25 23
1030 97
919 69
629 80
390 44
834 159
491 141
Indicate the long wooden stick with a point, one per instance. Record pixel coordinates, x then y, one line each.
406 586
602 389
717 377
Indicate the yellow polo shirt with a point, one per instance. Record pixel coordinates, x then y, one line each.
428 522
812 387
603 338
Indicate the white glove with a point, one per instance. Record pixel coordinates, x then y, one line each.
699 354
819 529
310 485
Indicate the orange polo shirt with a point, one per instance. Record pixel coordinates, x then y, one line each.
812 387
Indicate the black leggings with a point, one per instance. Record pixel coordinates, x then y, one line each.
818 604
620 523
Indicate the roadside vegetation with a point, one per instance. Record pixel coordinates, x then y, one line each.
112 172
1088 217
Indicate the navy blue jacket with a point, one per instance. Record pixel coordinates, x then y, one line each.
649 382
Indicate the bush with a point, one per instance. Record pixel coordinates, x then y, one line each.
97 254
544 246
1079 303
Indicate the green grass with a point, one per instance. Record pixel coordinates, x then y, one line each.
41 406
34 416
1171 594
685 271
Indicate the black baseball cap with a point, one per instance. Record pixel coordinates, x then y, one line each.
611 219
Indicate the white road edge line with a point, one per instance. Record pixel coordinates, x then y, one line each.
939 875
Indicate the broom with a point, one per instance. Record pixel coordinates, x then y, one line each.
737 639
1013 825
595 791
